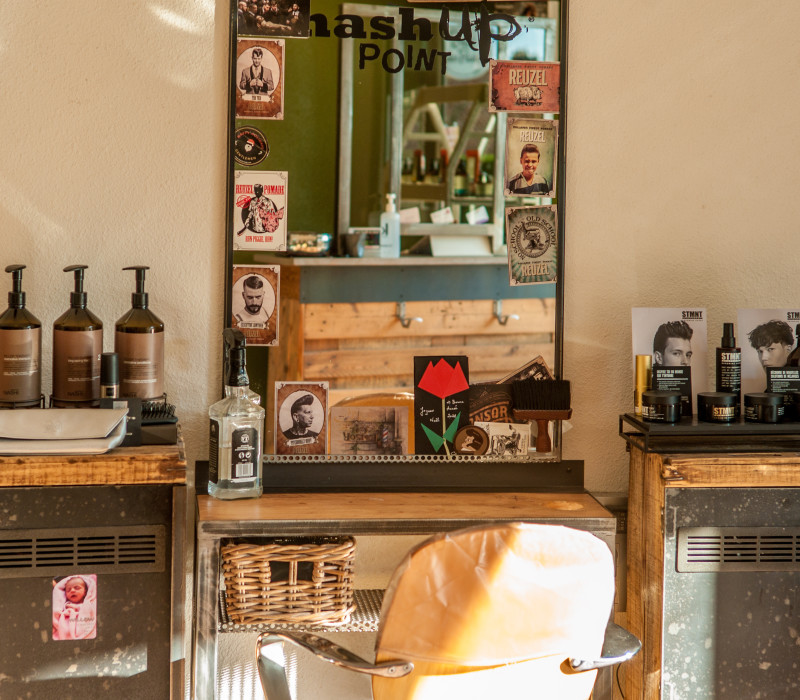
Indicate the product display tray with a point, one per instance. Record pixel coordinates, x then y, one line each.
693 435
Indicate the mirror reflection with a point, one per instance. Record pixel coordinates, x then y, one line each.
413 122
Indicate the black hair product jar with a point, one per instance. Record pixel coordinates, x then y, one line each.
763 407
717 406
661 406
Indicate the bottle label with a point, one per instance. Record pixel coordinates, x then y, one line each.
20 371
213 451
245 447
76 365
141 364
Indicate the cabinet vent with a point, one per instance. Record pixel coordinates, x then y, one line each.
54 552
702 549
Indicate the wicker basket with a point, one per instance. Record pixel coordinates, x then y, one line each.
294 581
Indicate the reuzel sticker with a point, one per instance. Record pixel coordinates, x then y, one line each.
259 210
524 86
532 238
531 148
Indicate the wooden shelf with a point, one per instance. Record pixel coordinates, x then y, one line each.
388 507
148 464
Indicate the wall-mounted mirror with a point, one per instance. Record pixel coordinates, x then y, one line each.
367 113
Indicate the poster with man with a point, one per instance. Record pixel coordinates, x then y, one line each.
766 337
301 425
531 147
675 338
254 300
259 210
259 78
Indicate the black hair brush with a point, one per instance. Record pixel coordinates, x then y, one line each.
541 400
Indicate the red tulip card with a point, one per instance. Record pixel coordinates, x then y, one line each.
441 402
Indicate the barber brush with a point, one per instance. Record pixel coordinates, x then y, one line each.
541 400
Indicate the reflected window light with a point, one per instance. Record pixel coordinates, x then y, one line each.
178 21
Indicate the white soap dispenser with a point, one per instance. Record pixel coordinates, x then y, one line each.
390 229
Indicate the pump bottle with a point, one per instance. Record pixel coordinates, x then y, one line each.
236 431
729 362
139 342
20 350
77 346
390 230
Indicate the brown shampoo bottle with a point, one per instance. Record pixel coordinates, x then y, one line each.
77 346
20 350
139 342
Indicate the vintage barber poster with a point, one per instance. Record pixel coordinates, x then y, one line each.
766 337
273 18
524 86
369 430
255 295
259 210
301 425
531 147
259 78
532 239
675 338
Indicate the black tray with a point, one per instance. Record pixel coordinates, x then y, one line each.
693 435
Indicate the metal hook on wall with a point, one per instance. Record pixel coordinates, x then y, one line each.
498 313
400 313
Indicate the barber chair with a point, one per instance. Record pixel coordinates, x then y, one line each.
503 611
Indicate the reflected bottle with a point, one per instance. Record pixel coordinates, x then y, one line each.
461 183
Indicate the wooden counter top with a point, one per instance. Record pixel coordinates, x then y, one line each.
149 464
401 506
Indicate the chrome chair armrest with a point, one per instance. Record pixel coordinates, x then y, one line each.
619 645
273 674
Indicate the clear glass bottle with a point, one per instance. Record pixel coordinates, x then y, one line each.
236 432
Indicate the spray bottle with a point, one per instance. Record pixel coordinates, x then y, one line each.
20 350
236 431
77 346
139 342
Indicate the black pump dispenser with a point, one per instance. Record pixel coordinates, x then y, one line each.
16 297
235 344
139 297
77 299
728 338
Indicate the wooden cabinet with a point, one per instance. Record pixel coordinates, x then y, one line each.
117 520
713 572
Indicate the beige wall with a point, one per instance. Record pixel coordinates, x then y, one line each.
113 153
682 186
